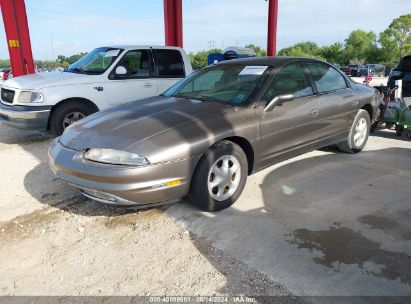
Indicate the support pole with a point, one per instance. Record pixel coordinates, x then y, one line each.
173 22
18 36
272 27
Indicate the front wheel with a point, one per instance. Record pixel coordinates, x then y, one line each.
68 113
358 137
220 177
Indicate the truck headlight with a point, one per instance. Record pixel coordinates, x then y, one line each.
115 157
30 97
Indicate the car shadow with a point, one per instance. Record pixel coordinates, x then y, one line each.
390 133
322 219
12 136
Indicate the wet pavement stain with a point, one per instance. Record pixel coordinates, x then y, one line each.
388 225
342 245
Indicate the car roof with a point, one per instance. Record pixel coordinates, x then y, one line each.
127 47
270 61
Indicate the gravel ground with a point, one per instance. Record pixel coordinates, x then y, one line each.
55 242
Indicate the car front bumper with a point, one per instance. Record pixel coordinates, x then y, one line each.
25 117
122 185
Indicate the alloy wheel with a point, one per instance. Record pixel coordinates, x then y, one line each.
72 118
360 132
224 177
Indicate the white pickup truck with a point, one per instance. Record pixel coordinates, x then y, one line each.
105 77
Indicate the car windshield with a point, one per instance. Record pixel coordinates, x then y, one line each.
95 62
231 83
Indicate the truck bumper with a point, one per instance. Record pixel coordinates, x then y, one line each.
25 117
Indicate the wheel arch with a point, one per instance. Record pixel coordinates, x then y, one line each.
71 99
367 107
246 146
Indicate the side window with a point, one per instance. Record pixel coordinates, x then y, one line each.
208 81
290 80
137 64
169 64
326 77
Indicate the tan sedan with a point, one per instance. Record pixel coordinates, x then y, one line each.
204 136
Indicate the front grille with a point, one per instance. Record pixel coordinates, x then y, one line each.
7 95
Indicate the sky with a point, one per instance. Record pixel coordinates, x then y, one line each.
81 25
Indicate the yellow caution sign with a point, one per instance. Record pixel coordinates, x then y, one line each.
14 43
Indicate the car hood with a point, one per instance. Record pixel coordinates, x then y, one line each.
124 126
40 81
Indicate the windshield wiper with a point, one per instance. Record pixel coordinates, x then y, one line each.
206 98
183 96
75 70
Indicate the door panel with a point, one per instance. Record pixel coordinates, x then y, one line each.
288 127
337 112
139 81
291 125
338 102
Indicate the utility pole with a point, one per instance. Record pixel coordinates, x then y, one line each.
211 44
52 45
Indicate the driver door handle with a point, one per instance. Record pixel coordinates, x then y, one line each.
148 85
314 113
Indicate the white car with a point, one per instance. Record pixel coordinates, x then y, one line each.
105 77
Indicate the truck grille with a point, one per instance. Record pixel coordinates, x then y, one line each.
7 96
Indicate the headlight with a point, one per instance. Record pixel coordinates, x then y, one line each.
115 157
30 97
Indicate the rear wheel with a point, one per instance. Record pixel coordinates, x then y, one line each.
399 129
360 130
220 177
67 114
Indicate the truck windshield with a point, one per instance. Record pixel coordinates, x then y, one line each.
96 62
230 83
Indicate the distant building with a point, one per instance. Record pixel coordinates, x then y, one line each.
232 52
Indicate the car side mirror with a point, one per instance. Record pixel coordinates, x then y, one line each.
121 71
278 101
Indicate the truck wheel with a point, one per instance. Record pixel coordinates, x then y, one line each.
67 114
398 130
360 130
220 177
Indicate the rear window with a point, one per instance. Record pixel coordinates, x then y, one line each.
169 64
326 78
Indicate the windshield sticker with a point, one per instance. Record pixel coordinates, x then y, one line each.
254 70
112 53
239 98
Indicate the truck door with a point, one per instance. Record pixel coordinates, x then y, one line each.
169 68
136 79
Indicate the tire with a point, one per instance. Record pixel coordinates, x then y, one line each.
374 126
361 128
58 116
398 130
389 125
202 193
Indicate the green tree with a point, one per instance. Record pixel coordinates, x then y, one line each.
358 44
200 59
396 39
335 53
260 52
302 49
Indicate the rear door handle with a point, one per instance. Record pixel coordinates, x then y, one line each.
315 112
148 85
